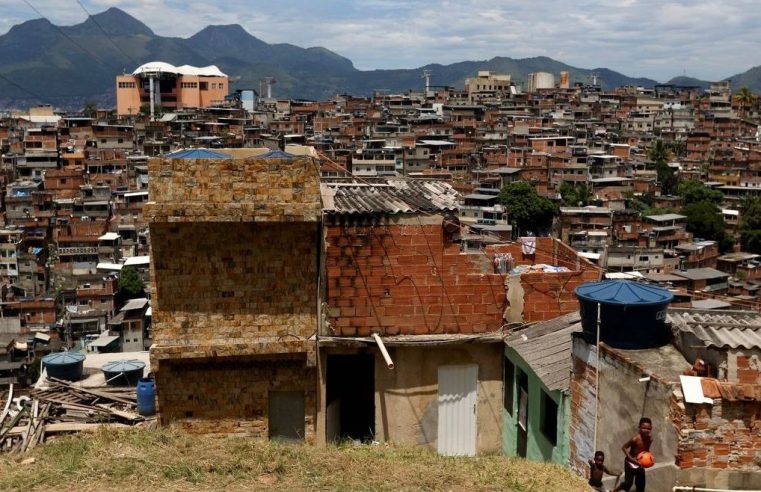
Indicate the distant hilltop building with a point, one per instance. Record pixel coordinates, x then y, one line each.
488 85
540 80
159 84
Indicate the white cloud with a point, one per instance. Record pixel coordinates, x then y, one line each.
651 38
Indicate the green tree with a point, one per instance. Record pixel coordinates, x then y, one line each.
575 194
131 285
693 191
750 225
90 110
745 98
667 178
528 210
705 220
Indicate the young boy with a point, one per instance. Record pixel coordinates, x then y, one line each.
596 470
633 472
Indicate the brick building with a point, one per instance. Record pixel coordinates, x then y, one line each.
394 267
234 271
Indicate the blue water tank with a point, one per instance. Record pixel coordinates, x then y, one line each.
146 396
632 315
123 372
64 365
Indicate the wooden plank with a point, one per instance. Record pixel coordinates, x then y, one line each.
7 408
55 427
94 393
121 413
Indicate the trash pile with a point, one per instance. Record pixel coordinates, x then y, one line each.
28 420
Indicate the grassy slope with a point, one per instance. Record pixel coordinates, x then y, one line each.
168 459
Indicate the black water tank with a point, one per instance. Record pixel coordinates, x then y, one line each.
632 315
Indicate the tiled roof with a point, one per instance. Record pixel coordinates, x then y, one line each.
713 388
546 347
721 329
391 197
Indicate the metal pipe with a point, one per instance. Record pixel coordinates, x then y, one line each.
597 379
690 488
384 352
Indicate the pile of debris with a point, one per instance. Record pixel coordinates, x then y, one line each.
26 421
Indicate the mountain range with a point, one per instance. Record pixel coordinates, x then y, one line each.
69 65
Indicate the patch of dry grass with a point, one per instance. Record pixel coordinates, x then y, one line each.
169 459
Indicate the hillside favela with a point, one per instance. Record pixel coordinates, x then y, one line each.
230 264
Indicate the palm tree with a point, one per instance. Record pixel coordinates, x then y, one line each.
745 98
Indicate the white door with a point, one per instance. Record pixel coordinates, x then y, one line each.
457 410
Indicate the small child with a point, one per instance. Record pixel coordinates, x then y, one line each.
596 470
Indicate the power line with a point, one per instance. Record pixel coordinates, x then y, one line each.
92 18
71 40
22 88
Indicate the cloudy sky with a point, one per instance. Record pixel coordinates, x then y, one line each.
653 38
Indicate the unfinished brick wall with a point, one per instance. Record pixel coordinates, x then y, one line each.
725 435
230 396
548 295
405 276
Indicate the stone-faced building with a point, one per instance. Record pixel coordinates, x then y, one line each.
235 247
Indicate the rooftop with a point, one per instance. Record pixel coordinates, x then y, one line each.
719 328
546 347
392 196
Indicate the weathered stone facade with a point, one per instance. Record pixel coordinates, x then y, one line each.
234 273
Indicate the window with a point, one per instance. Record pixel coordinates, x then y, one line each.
549 418
204 86
644 258
509 381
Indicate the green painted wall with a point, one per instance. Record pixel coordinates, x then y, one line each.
538 446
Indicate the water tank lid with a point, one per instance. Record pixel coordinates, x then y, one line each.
63 358
123 366
623 292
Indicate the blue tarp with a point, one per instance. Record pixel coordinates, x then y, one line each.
277 154
197 154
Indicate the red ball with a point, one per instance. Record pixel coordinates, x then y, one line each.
646 459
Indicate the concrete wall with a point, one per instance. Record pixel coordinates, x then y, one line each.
406 398
623 400
538 448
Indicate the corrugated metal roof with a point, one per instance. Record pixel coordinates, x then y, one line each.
546 347
720 329
391 197
138 303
